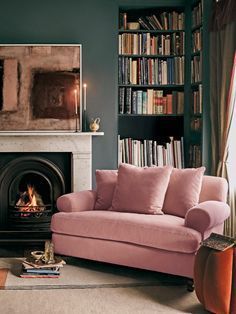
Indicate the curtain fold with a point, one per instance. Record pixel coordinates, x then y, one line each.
227 166
223 13
222 53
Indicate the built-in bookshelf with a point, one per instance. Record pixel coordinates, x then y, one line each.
161 85
151 69
195 148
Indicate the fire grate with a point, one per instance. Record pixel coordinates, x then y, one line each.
33 214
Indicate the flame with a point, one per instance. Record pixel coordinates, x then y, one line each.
30 201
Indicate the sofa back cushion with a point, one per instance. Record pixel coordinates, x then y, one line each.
183 190
141 190
213 189
105 186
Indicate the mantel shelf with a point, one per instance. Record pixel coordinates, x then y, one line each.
79 144
49 133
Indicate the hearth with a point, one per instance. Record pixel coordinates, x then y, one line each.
30 184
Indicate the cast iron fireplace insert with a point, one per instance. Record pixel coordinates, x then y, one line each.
30 184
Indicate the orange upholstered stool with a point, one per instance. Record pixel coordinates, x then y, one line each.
214 279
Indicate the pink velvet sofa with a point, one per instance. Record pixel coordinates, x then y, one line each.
164 243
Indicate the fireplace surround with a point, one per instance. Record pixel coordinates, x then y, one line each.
50 164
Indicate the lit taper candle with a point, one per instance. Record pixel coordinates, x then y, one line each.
85 96
76 102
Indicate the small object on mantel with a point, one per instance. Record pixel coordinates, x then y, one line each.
133 26
94 124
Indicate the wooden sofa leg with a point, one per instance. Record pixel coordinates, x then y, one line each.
190 285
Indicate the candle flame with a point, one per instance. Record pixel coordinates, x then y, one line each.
85 85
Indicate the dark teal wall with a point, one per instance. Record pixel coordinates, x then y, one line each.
92 23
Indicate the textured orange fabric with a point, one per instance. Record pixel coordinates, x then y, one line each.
233 293
199 272
213 272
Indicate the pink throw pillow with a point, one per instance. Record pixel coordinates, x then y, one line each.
141 190
106 183
183 190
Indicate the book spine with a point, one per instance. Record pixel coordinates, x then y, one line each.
41 271
38 276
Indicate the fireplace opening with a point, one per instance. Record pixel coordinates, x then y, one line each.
31 199
30 184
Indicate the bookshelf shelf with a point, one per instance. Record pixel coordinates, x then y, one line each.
148 115
175 86
156 31
150 56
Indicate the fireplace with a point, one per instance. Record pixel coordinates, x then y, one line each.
41 165
29 187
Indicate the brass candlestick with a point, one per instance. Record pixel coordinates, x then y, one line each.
84 121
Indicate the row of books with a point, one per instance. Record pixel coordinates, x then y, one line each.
38 269
197 100
163 21
197 15
195 156
196 69
197 40
149 44
149 152
150 71
150 101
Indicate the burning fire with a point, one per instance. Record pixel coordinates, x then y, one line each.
30 201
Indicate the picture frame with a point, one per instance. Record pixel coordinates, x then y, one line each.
41 87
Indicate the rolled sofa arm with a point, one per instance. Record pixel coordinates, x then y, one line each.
206 215
77 201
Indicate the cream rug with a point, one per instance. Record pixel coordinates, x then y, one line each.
90 287
83 274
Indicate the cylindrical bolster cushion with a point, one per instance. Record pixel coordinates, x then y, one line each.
213 275
207 215
77 201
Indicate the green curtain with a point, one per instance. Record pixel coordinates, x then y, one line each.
222 50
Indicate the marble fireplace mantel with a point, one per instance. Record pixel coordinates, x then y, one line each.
79 144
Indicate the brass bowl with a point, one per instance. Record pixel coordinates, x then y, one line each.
37 255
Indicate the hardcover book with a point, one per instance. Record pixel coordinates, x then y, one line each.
219 242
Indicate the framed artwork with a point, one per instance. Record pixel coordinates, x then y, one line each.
40 87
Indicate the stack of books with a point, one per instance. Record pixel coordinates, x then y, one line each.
38 269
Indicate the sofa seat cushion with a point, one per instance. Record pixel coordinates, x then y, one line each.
165 232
